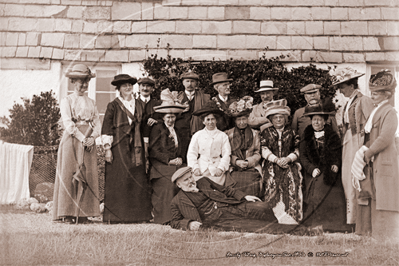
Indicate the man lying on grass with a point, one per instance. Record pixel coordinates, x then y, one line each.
205 204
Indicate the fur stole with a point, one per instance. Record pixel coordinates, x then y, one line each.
326 156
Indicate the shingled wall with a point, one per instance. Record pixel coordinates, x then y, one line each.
334 31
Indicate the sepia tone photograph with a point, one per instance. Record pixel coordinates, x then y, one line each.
199 132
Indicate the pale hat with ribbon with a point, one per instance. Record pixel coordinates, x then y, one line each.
181 172
342 75
171 103
266 85
277 107
382 81
79 71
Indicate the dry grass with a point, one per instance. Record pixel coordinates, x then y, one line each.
30 238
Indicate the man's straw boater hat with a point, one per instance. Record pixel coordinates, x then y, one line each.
171 103
277 107
181 172
79 71
344 74
122 79
266 85
382 81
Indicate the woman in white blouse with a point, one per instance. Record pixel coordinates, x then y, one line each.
127 193
209 150
76 182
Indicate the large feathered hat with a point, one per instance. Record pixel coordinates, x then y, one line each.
382 81
277 107
171 103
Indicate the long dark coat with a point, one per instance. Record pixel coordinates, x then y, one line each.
127 192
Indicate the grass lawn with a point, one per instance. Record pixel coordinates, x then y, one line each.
31 238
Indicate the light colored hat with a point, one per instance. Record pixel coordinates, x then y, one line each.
189 75
277 107
79 71
344 74
171 103
382 81
219 78
241 107
266 85
310 88
181 172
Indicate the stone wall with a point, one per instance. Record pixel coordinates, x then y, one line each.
335 31
37 35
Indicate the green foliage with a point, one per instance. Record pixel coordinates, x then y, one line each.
246 75
35 122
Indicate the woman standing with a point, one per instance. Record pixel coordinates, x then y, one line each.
279 145
209 150
166 156
127 193
76 182
320 155
377 195
245 149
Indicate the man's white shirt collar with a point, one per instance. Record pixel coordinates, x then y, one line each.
145 99
224 99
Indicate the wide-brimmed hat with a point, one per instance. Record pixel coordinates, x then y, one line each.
79 71
171 103
146 81
181 172
241 107
209 107
382 81
122 79
266 85
310 88
219 78
344 74
189 75
277 107
326 108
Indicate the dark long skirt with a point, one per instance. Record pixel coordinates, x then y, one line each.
163 190
66 192
326 205
248 182
127 196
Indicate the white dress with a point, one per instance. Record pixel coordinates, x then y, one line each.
209 150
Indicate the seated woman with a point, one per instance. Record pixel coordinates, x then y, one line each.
282 175
209 150
245 149
320 156
166 156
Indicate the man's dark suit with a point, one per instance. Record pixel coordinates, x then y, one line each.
224 122
218 199
149 113
187 124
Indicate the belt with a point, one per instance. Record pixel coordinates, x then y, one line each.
82 122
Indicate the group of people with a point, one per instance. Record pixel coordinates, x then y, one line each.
192 161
